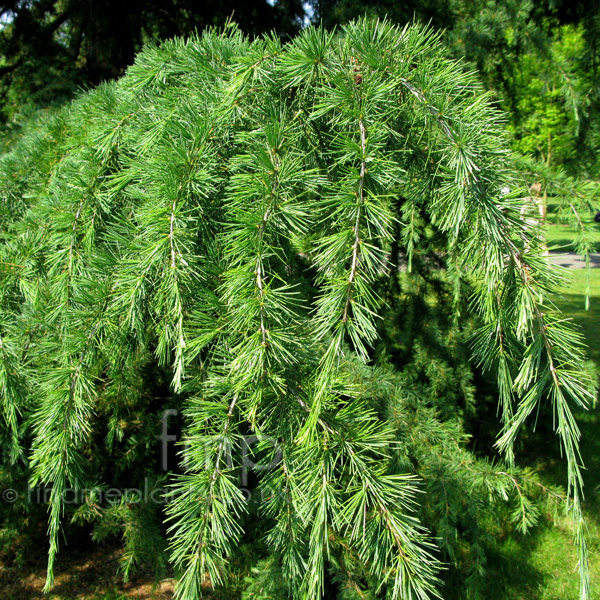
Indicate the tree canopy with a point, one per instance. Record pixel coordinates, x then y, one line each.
50 48
314 244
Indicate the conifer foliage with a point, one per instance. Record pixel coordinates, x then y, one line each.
279 228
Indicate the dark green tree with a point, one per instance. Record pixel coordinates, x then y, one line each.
49 48
541 68
307 244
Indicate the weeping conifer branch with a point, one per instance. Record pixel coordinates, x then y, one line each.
229 214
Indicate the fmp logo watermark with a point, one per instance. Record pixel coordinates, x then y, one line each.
248 454
240 454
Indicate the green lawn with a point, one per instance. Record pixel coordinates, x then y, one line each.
560 234
542 565
571 302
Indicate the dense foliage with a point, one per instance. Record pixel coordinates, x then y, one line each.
537 57
310 246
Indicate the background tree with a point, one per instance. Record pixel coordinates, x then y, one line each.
52 47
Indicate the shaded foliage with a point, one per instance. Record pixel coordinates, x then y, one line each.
50 47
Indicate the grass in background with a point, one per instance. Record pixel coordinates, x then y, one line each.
542 565
571 301
560 235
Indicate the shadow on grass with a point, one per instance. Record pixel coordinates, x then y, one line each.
566 245
515 574
573 305
542 564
